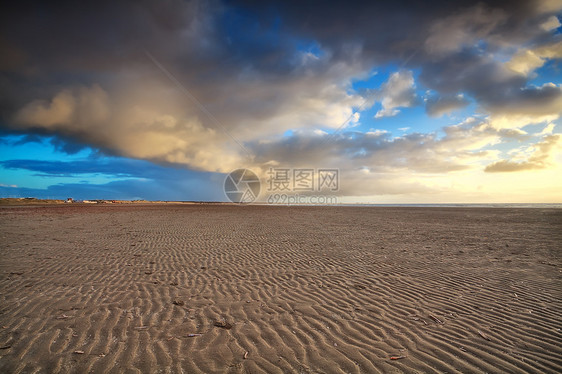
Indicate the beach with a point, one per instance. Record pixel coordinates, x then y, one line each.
273 289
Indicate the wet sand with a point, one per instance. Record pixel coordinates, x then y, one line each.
249 289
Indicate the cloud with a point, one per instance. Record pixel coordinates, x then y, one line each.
59 111
548 129
497 90
129 125
549 6
551 23
375 163
458 150
397 91
526 61
86 106
464 28
530 105
264 69
541 157
480 76
234 56
438 106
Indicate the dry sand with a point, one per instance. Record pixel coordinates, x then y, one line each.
300 289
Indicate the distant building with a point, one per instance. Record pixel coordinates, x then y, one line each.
69 200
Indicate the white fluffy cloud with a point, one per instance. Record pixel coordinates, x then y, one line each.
398 91
526 61
533 157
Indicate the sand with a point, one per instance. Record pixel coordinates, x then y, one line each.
250 289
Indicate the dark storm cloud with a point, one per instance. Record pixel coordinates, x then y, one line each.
209 41
78 70
443 41
493 86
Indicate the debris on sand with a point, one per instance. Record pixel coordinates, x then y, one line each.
178 302
141 327
79 352
397 357
420 319
484 335
193 335
437 320
223 324
246 355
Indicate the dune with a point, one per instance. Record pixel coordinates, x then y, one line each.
250 289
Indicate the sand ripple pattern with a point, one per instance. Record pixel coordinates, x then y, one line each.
109 289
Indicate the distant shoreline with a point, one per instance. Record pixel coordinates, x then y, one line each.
4 202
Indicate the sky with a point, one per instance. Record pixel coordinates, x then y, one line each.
411 102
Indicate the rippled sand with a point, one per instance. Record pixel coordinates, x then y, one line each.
202 289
